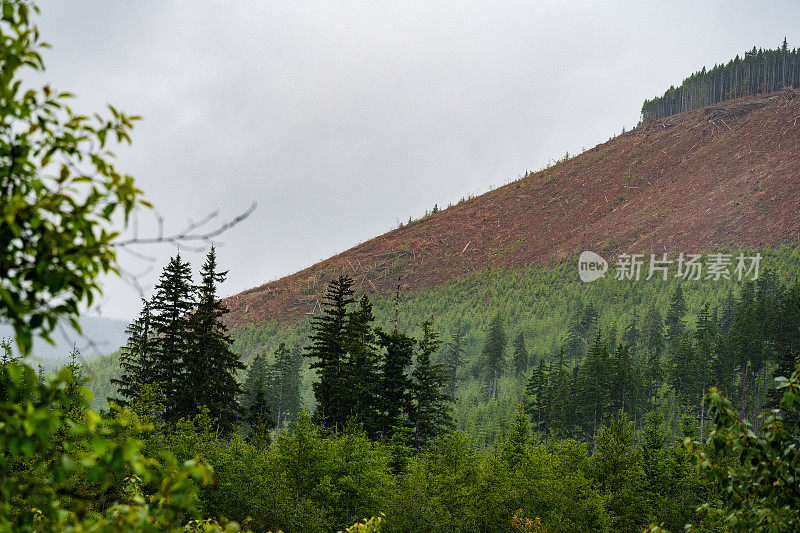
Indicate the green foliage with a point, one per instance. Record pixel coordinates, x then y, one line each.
63 466
284 385
494 347
761 487
258 412
431 412
135 360
59 191
170 308
329 350
210 366
521 357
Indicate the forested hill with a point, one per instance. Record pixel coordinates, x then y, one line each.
727 173
760 71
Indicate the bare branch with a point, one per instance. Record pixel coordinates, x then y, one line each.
190 233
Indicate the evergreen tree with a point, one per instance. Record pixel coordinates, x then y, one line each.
593 386
361 369
536 395
622 377
258 414
560 396
513 449
630 335
136 360
454 359
170 310
284 385
394 385
687 372
74 406
210 363
675 315
653 338
759 71
520 355
494 353
581 329
431 414
329 344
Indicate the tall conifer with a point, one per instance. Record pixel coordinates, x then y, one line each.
329 345
170 309
494 353
431 414
136 360
210 363
520 355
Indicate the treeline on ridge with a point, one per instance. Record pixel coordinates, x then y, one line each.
759 71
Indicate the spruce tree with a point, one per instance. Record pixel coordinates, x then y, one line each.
520 355
536 395
560 404
454 359
170 308
431 414
494 353
675 316
594 386
394 385
622 379
136 360
329 344
284 385
361 369
258 414
210 363
630 335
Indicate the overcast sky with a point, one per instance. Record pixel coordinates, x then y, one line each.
341 119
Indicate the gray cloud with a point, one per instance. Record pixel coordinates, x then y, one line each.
342 118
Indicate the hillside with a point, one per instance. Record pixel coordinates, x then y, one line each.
722 174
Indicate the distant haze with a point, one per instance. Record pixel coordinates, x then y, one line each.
341 119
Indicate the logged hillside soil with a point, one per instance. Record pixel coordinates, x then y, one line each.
727 174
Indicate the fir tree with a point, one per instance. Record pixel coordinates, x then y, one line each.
653 339
454 359
520 355
136 359
284 385
581 329
258 414
561 408
74 406
536 394
170 310
361 369
513 448
622 380
394 385
211 365
594 386
329 344
675 316
494 353
431 414
630 335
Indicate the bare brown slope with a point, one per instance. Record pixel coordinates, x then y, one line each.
728 173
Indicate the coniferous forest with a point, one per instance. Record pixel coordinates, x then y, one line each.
759 71
511 399
606 432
